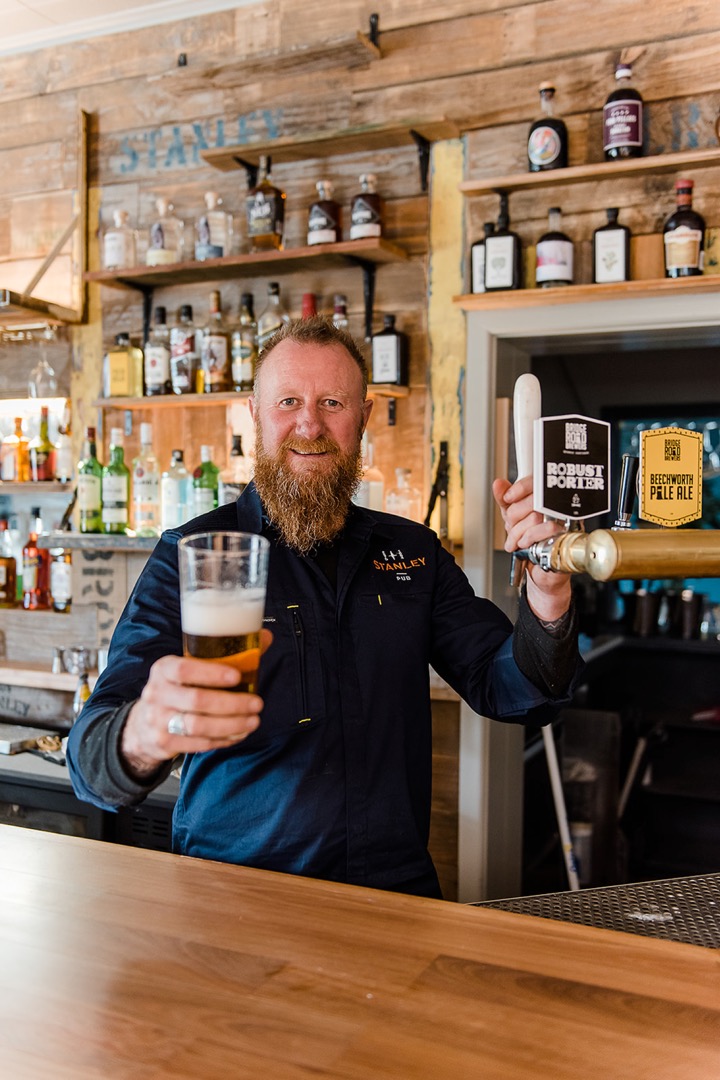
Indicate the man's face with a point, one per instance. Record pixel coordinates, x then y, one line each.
309 415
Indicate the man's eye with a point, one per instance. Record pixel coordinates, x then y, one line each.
288 401
332 403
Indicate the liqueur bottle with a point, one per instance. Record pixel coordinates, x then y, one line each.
64 464
146 487
324 225
14 456
554 254
366 210
123 369
8 568
119 243
157 356
205 483
547 139
115 489
272 316
244 346
41 451
213 230
36 568
61 580
166 236
684 235
215 349
503 254
340 317
477 259
235 478
89 484
623 118
265 211
175 493
611 250
390 354
183 354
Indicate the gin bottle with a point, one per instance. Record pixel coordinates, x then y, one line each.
213 230
390 354
503 254
175 493
119 243
146 487
272 317
265 211
554 254
611 250
166 236
245 346
157 356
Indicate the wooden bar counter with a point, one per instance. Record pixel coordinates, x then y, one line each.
119 962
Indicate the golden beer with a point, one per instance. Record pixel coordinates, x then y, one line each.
224 625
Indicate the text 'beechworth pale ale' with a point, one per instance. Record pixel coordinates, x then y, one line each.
225 625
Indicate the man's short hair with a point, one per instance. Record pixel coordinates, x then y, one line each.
316 330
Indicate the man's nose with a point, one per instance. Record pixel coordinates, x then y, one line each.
309 422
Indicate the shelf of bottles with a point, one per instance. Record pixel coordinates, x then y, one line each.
97 541
225 398
578 294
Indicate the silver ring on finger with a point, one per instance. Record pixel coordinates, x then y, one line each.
176 724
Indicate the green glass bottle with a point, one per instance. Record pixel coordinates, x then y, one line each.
116 487
205 483
89 484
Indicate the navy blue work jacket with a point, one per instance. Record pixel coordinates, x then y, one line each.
336 781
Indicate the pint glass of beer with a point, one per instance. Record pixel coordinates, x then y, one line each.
222 599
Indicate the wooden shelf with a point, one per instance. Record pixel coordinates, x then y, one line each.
172 401
577 294
388 390
582 174
97 542
16 673
30 487
329 143
372 251
27 311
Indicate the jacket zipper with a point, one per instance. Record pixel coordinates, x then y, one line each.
300 653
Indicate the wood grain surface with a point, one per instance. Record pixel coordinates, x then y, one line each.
119 962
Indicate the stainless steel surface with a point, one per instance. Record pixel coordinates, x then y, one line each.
676 909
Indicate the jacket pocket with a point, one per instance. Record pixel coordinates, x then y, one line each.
291 673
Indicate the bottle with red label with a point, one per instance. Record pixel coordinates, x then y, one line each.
684 235
36 568
623 118
554 254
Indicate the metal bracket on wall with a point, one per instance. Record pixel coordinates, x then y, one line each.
369 271
251 169
423 149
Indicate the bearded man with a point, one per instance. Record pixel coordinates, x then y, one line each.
326 771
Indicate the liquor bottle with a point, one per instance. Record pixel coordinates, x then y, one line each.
235 478
554 254
61 579
119 243
309 305
265 211
213 230
244 345
324 225
611 250
63 447
684 235
390 354
8 568
14 456
215 349
366 210
272 317
547 139
205 483
175 493
503 254
404 499
36 568
157 356
89 485
166 236
115 487
340 317
82 693
477 259
41 451
371 489
183 352
623 118
146 487
123 369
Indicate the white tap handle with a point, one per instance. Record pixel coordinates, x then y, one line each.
527 407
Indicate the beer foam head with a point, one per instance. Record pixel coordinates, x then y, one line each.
222 612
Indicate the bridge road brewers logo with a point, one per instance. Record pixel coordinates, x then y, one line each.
670 481
572 467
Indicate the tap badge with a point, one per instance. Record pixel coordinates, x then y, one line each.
572 467
670 477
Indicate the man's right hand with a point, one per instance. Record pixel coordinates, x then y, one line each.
198 689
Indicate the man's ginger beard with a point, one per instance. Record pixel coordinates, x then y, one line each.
308 508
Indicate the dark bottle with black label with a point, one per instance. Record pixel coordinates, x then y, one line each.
503 254
390 354
477 259
611 250
623 118
684 235
324 217
547 139
366 210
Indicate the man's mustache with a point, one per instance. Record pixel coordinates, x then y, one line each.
322 445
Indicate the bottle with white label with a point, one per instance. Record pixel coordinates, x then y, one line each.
119 243
89 486
166 236
477 259
205 483
146 487
324 217
547 138
684 235
175 493
503 254
61 579
623 118
390 354
183 352
554 254
371 489
115 487
157 356
611 250
213 230
366 210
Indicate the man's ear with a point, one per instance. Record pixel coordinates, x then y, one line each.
251 407
367 409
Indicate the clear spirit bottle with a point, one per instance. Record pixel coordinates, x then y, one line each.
547 138
64 464
265 211
119 247
157 356
272 317
324 220
146 487
244 344
404 499
166 242
175 493
371 489
61 579
115 491
213 230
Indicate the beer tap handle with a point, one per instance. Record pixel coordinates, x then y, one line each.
626 495
527 407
